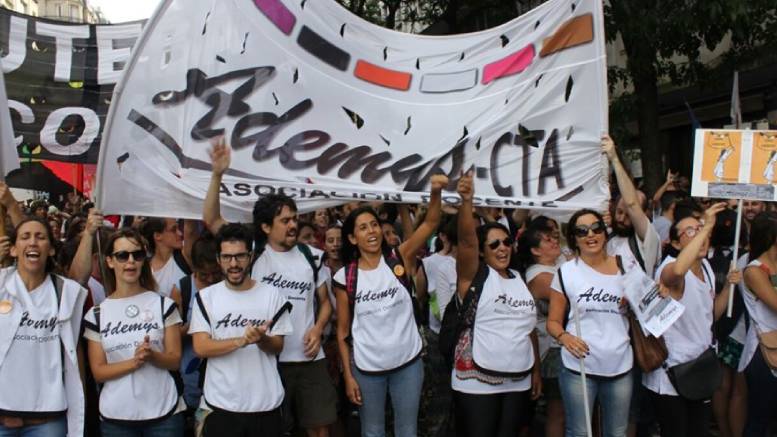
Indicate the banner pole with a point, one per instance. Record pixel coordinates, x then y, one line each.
737 233
582 374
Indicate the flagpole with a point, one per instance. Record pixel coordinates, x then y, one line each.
583 377
736 115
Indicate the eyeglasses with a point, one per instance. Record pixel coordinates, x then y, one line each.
239 257
493 245
691 231
551 237
123 256
581 231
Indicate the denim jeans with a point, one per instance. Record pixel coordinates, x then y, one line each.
54 428
404 386
613 394
170 427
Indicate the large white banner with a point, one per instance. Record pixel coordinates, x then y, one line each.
325 107
9 161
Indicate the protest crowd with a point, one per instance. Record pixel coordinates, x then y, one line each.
376 318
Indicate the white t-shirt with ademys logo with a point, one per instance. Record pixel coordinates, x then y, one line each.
603 324
384 332
149 392
505 317
291 274
441 280
31 374
245 380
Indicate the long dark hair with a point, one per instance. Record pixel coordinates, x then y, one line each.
763 233
350 252
570 234
147 280
51 262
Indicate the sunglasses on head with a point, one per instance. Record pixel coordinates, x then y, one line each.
123 256
581 231
493 245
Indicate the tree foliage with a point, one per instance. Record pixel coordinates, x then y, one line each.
665 38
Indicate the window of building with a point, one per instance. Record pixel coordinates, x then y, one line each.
74 11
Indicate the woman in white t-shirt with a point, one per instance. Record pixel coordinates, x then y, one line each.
589 289
496 361
538 254
760 296
376 327
40 316
135 346
691 281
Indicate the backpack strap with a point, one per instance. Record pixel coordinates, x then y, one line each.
315 263
635 251
180 261
198 299
566 296
185 284
351 278
619 261
397 267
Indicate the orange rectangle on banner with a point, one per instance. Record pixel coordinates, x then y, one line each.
577 31
372 73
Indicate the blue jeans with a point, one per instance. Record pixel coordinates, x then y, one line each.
404 385
170 427
54 428
613 394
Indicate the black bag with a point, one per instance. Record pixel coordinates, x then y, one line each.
697 379
452 319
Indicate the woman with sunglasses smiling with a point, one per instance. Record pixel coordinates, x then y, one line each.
496 360
135 345
589 287
40 316
691 281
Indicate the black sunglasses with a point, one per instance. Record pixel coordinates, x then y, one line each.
493 245
581 231
123 256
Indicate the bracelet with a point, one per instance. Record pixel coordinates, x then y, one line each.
238 344
560 335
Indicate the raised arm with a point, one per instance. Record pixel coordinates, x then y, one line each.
662 189
81 267
220 159
673 275
467 253
10 204
638 218
414 242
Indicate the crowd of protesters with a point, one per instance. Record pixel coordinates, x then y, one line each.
339 322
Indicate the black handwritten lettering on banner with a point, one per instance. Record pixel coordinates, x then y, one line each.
59 79
375 128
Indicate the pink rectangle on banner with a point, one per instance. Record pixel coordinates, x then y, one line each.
278 13
512 64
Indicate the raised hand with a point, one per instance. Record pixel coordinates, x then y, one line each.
466 187
220 156
439 182
608 147
711 214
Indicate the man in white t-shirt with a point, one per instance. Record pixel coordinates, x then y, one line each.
239 325
635 239
291 269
